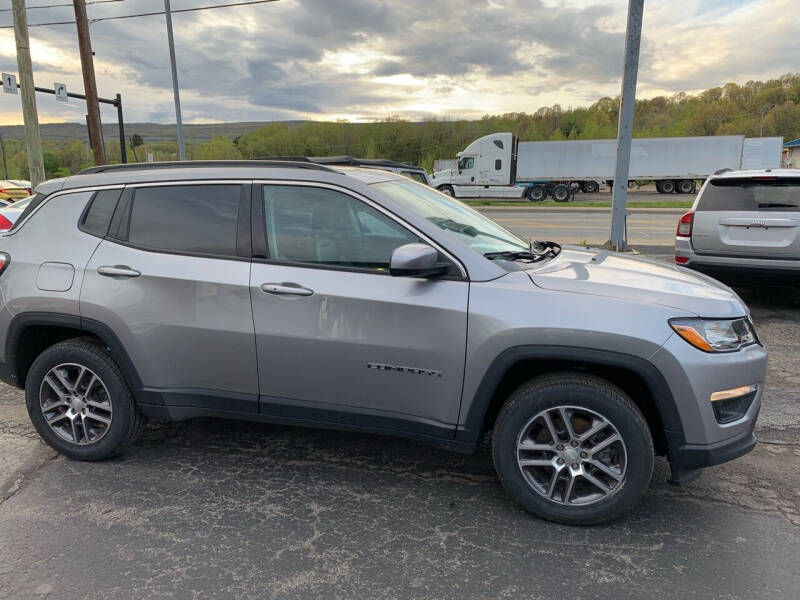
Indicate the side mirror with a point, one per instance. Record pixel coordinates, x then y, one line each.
416 260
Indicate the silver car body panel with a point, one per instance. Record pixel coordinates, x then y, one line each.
46 240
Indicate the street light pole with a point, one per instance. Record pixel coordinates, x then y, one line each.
633 38
176 93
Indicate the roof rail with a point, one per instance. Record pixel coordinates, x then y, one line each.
296 163
346 160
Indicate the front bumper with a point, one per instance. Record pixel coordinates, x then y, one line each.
693 376
686 460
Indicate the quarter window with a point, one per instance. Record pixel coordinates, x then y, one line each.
101 209
326 227
186 218
498 164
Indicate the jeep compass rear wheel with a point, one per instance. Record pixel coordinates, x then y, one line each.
79 401
573 449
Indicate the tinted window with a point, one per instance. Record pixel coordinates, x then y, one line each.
498 143
101 209
186 218
778 194
322 226
498 164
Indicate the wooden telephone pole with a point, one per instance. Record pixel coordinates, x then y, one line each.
33 139
89 84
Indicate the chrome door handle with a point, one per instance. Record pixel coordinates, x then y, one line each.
286 288
118 271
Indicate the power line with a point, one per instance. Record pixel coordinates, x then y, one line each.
62 5
147 14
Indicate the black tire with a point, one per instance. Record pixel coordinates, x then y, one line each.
590 187
447 189
585 392
667 186
561 193
127 423
686 186
537 193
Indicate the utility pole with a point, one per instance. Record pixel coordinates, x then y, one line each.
764 111
89 84
33 139
5 162
633 38
176 93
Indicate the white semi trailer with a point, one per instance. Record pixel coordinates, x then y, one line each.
498 165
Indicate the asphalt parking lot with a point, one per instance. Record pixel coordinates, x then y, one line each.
224 509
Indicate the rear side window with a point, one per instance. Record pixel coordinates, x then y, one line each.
186 218
98 215
780 194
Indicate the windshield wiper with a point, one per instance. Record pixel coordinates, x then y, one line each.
466 229
542 251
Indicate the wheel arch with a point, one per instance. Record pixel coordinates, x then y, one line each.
29 334
637 377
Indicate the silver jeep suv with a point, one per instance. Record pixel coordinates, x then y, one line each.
744 227
358 299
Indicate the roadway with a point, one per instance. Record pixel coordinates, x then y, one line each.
652 228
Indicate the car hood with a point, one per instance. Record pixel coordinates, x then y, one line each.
603 273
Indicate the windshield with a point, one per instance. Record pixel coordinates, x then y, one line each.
480 233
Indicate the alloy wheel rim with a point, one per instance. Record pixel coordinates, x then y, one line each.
572 456
75 404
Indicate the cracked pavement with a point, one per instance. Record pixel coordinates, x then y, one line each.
227 509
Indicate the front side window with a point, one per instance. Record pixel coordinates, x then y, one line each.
326 227
478 232
466 163
186 218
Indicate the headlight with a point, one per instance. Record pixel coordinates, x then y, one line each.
716 335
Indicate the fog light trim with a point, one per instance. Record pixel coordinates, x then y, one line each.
733 393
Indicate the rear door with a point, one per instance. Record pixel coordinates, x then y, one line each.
171 279
749 216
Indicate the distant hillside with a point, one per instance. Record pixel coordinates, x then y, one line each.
154 132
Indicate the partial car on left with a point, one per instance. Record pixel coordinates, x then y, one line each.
12 190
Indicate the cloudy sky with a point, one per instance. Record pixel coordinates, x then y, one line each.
369 59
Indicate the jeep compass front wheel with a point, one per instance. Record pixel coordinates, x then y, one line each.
573 448
79 401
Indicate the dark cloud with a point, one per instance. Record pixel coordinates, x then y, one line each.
274 59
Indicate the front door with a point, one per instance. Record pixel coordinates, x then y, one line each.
465 173
338 338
